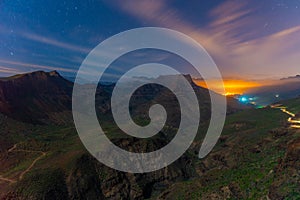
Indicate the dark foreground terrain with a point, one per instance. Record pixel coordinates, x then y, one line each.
41 156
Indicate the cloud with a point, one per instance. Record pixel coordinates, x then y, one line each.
279 52
9 70
32 66
54 42
160 13
229 12
144 9
27 34
232 36
231 22
69 62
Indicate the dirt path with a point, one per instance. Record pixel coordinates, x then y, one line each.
14 148
32 164
7 180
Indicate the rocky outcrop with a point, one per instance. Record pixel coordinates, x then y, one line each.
91 179
84 182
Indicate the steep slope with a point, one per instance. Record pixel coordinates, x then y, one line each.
151 94
35 97
45 98
257 157
292 104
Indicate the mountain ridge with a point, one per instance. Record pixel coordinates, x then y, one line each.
46 97
32 96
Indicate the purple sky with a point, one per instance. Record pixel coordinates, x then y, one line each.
257 39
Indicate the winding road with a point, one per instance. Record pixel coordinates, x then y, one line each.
295 123
14 148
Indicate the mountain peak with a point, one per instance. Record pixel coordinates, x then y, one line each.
291 78
34 96
39 75
54 73
42 74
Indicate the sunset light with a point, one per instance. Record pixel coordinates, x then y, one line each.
232 86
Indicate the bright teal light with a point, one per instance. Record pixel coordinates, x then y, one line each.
243 99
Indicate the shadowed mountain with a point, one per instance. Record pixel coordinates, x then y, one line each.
46 97
35 97
256 157
152 93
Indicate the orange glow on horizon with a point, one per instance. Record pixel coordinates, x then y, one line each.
231 86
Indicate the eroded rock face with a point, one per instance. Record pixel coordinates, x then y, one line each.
140 186
84 182
92 179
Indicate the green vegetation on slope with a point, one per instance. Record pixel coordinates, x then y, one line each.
244 163
293 105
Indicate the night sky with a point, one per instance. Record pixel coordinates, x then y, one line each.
255 39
